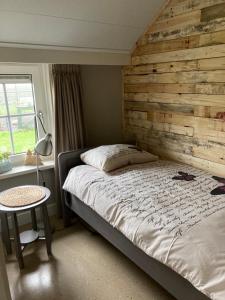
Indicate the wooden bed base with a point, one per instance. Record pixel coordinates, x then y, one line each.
175 284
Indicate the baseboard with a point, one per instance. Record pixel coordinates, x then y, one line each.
24 217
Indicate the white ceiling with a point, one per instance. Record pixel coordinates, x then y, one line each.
106 25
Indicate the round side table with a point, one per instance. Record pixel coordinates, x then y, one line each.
29 236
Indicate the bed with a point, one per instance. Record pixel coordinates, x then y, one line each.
157 264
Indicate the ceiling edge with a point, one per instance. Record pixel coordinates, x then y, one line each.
61 48
55 56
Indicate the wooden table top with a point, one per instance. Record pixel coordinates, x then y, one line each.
27 207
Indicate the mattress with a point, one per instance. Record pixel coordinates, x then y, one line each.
173 212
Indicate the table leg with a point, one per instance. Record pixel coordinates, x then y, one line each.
33 219
17 241
47 229
4 283
5 233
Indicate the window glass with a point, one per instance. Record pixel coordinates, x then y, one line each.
20 98
5 141
17 112
3 110
23 129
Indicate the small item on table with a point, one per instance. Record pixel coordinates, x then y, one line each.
31 159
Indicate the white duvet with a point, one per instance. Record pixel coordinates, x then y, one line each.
178 222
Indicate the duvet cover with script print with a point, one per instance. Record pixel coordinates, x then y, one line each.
173 212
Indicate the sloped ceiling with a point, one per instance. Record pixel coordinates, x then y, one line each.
105 25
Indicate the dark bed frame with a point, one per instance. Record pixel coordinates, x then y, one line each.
175 284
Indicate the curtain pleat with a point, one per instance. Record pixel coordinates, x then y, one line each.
68 121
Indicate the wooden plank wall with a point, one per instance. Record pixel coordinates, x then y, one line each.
175 85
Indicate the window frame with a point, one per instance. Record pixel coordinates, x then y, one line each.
9 115
42 96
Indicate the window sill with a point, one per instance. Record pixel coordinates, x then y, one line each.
22 170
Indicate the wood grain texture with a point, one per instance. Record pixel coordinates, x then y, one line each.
188 30
180 55
175 86
191 99
178 21
213 12
164 46
178 77
183 7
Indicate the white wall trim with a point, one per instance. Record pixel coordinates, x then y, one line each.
17 54
63 48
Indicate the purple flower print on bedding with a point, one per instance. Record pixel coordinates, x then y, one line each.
220 190
184 176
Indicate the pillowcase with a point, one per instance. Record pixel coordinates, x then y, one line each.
108 158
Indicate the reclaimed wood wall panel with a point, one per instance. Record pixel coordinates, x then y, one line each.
174 88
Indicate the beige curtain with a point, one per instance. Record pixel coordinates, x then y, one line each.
68 121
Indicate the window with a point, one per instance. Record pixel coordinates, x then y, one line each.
24 92
17 112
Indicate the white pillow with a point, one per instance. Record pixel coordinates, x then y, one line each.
108 158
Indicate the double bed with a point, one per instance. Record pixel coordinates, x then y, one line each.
168 218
